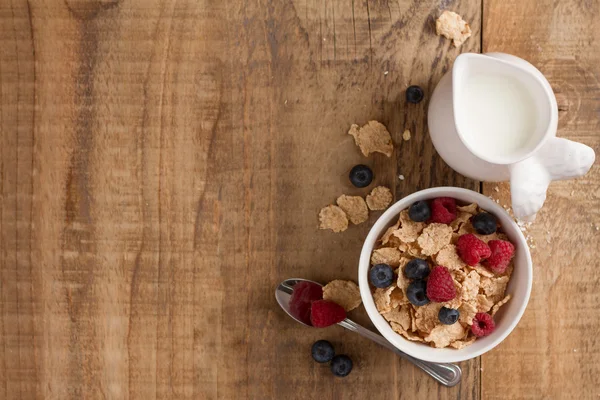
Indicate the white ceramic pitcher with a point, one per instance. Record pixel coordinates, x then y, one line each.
529 168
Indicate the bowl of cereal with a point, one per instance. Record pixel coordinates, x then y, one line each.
445 274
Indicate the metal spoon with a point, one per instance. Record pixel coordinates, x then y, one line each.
446 374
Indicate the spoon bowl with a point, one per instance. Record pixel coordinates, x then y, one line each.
446 374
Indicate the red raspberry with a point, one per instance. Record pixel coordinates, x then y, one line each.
502 253
483 324
440 286
303 295
443 210
472 250
325 313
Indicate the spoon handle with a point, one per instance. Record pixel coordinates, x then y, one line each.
446 374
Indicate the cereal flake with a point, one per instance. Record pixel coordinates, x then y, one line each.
449 258
379 198
406 135
372 137
470 287
459 344
409 230
467 313
344 293
427 316
434 237
494 288
484 304
399 315
443 335
470 208
334 218
354 207
386 255
500 304
388 238
382 299
452 26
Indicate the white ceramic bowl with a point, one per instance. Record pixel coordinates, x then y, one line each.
507 317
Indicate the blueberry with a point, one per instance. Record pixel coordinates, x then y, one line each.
484 223
361 176
381 275
419 211
417 293
416 269
322 351
448 316
341 365
414 94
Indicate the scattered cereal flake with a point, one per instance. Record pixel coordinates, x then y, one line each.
452 26
497 189
386 255
484 304
401 177
409 230
467 313
500 304
449 258
434 237
459 344
379 198
470 208
572 192
354 207
494 287
427 316
406 135
372 137
382 299
334 218
443 335
385 72
344 293
470 287
399 315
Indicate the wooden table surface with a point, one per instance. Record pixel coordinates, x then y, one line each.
163 162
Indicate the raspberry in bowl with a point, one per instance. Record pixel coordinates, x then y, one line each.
462 274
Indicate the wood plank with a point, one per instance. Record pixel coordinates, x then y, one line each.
553 352
162 167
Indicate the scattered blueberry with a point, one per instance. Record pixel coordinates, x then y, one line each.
417 293
341 365
381 275
416 268
419 211
448 316
484 223
361 176
414 94
322 351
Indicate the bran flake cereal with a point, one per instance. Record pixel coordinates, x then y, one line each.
372 137
379 198
433 238
354 207
452 26
334 218
386 255
477 288
344 293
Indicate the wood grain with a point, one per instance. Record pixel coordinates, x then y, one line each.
162 165
554 351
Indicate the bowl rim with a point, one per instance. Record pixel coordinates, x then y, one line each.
365 261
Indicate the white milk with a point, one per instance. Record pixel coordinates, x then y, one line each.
500 115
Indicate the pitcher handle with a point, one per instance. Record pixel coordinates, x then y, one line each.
556 160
